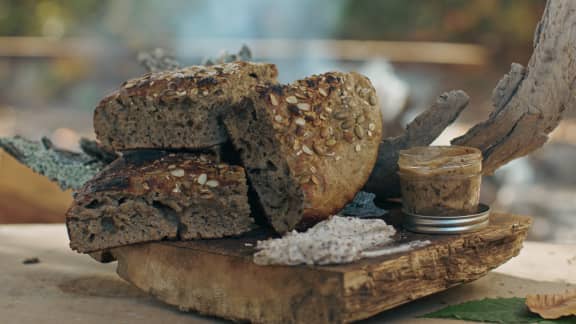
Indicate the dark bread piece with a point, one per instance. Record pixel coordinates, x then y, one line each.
223 153
176 196
308 147
176 109
102 256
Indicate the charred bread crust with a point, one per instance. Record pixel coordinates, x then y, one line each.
103 256
177 196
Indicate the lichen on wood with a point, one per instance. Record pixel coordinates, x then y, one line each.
244 54
69 169
363 206
158 60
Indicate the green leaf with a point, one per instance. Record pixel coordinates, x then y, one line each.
496 310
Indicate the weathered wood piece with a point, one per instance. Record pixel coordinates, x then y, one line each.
218 277
529 102
422 131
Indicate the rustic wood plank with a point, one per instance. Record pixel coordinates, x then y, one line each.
218 277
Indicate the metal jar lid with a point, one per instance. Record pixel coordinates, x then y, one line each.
448 224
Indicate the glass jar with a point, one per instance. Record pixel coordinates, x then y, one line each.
440 180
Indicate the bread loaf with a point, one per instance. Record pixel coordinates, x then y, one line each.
307 147
175 196
176 109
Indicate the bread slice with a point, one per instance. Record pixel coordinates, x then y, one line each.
307 147
176 196
176 109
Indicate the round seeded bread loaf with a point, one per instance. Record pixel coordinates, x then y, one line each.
175 196
176 109
307 147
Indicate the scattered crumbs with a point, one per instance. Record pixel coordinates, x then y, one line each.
31 261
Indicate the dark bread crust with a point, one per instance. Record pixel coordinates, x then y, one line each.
177 196
308 147
103 256
176 109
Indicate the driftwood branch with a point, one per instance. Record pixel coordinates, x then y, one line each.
422 131
529 102
158 60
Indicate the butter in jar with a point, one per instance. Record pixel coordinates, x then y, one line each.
440 180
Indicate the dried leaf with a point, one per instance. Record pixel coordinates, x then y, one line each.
552 306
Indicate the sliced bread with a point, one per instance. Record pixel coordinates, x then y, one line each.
175 196
176 109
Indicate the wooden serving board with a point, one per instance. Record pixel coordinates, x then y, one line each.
218 277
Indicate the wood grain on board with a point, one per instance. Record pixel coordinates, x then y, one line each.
218 277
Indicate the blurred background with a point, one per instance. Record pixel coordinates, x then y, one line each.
59 57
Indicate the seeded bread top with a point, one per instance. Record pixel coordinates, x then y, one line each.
186 101
195 82
174 174
329 127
